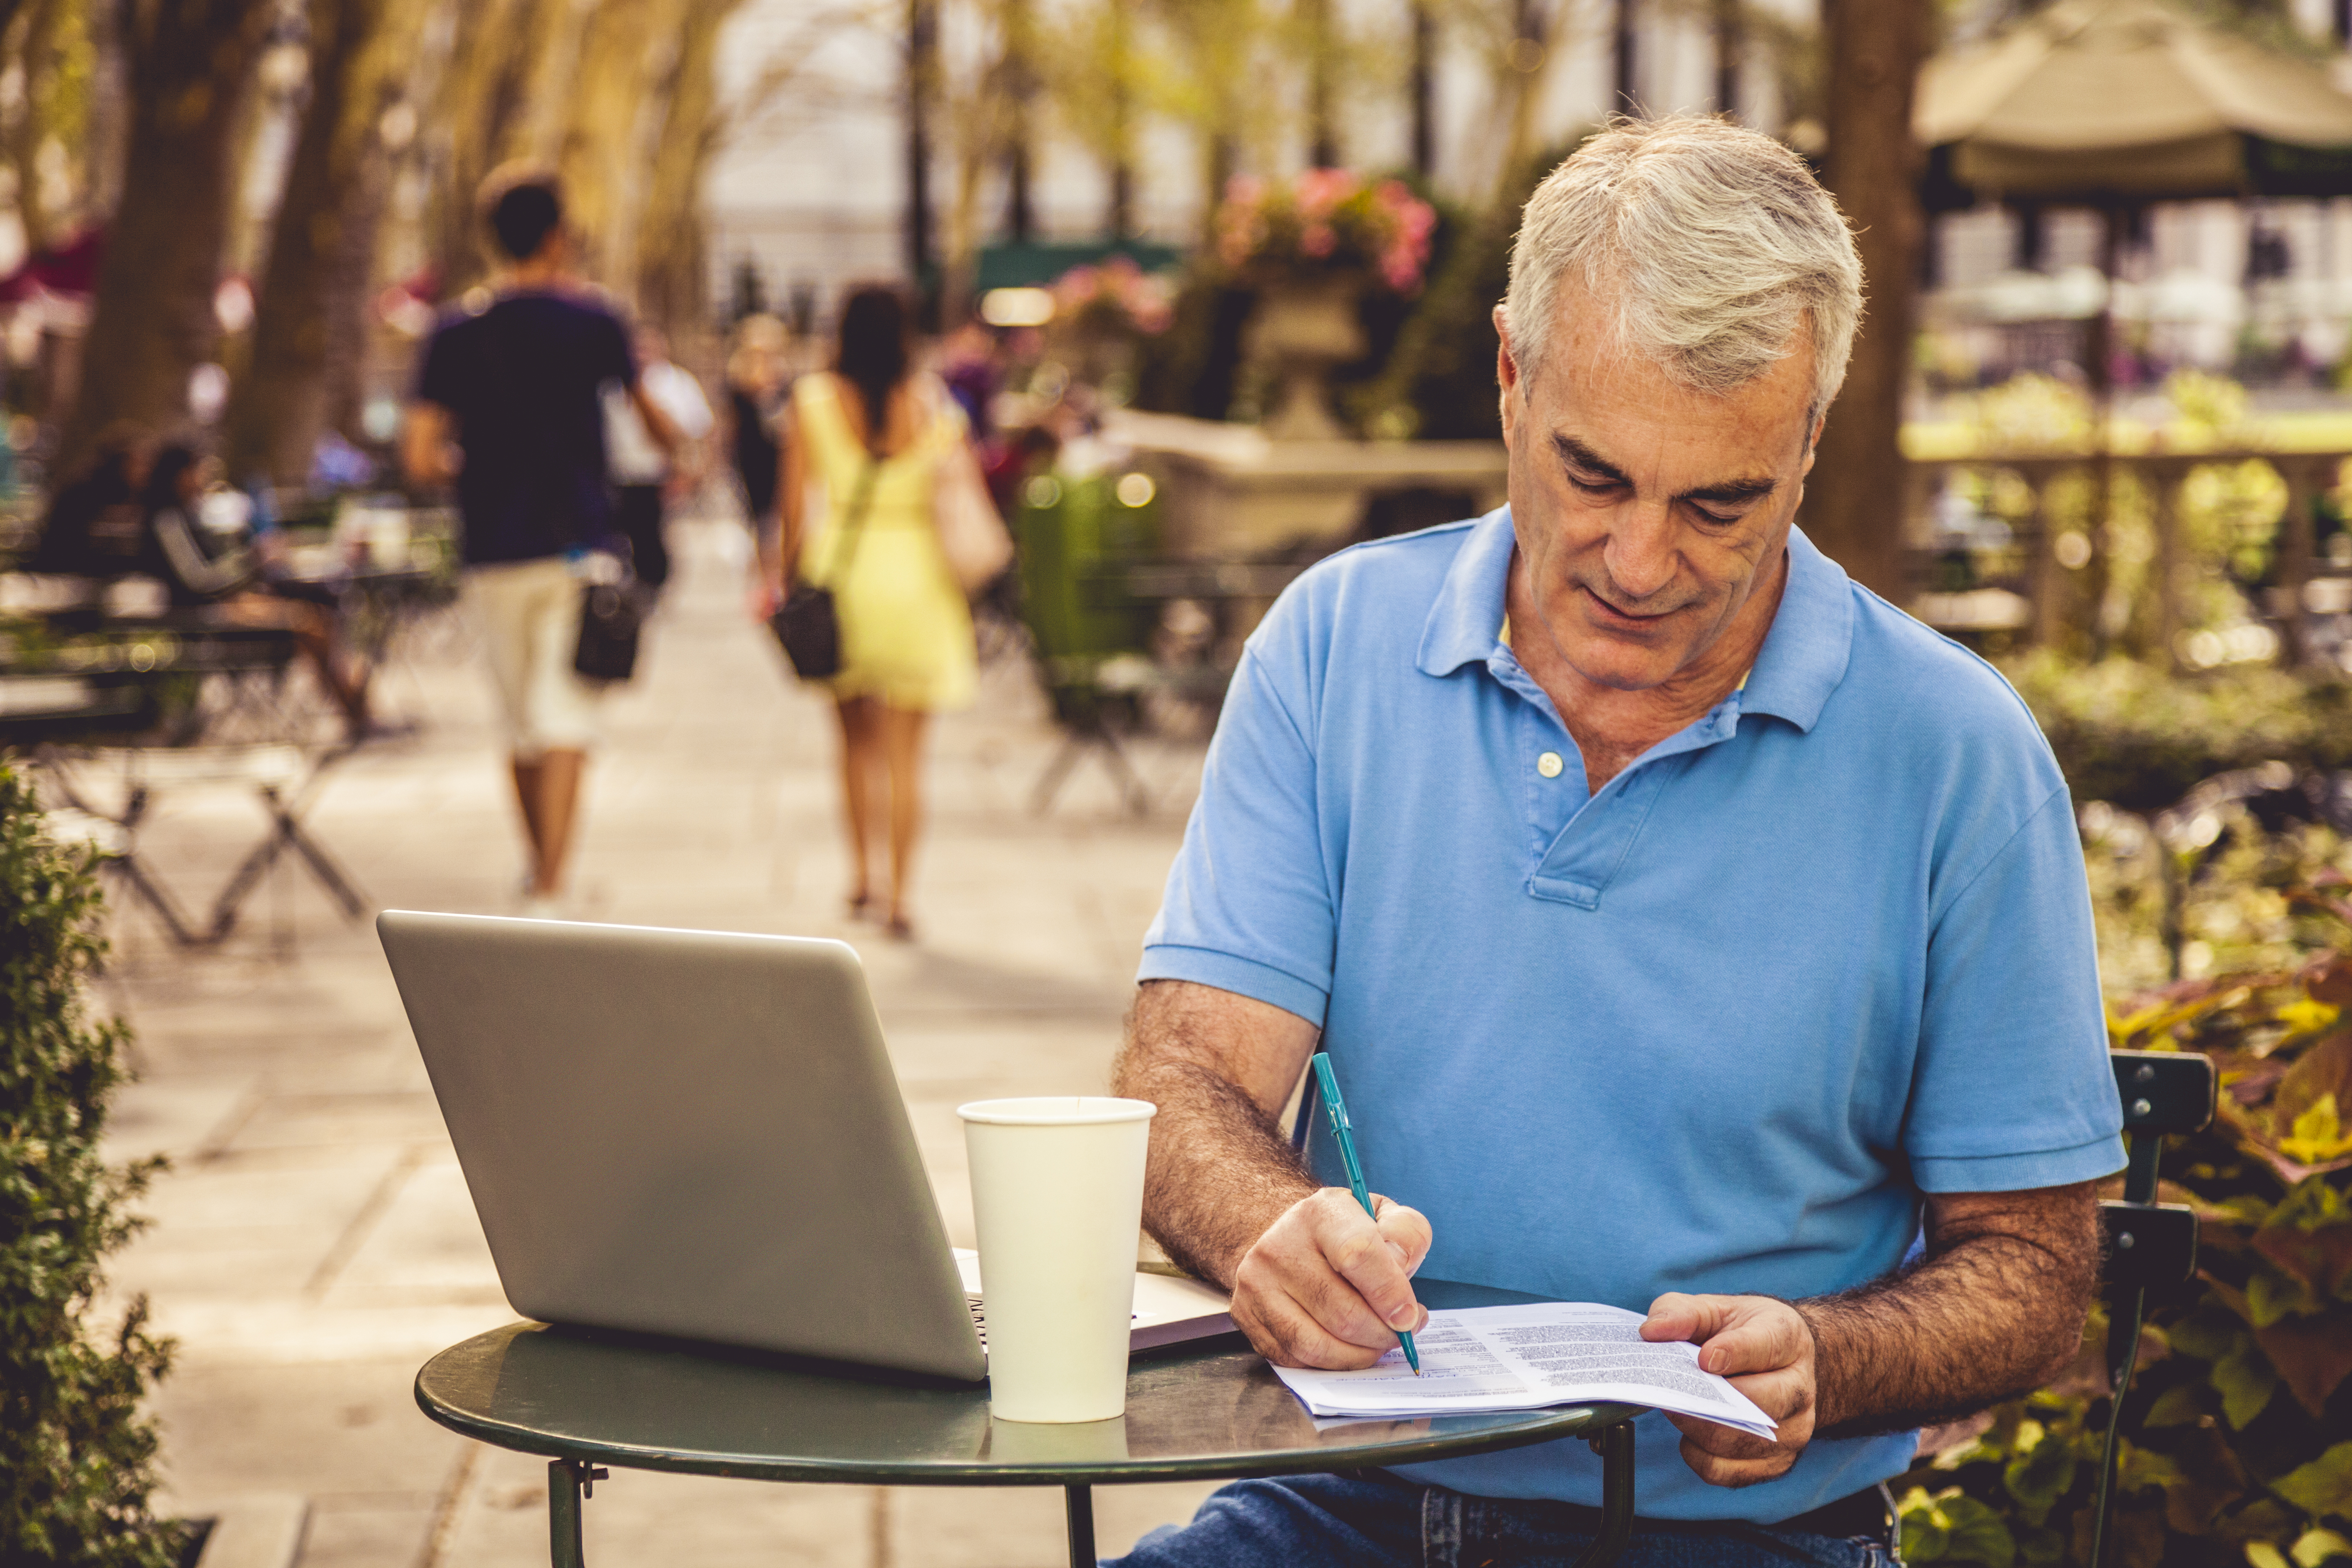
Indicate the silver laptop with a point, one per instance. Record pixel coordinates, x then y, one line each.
698 1134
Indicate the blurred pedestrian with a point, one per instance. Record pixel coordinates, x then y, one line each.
755 391
508 407
974 369
873 432
646 479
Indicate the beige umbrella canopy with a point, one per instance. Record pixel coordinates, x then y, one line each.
2132 99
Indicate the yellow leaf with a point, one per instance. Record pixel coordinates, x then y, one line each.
2316 1546
2307 1016
2262 1554
2318 1136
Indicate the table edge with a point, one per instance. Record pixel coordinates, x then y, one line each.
1561 1421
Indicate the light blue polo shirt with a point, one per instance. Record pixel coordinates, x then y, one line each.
1714 1028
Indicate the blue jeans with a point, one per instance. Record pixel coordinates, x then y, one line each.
1374 1519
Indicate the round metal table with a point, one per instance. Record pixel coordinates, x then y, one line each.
1216 1410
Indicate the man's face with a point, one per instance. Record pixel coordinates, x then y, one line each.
1648 514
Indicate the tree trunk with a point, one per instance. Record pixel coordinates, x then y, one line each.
1526 68
672 247
1424 79
1322 120
1020 75
1854 499
313 298
922 81
1119 219
1627 61
57 107
1729 41
627 56
151 323
479 118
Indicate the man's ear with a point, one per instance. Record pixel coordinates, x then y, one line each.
1814 443
1506 373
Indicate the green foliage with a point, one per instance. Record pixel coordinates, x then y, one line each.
2131 734
75 1456
2238 1426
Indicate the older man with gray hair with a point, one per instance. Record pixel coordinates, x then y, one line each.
1691 931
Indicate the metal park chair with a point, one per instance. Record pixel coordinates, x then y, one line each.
285 780
2150 1246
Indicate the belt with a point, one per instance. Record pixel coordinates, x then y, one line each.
1862 1513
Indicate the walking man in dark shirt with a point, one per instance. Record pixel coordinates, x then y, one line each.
509 407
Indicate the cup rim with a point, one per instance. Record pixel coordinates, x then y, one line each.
1057 1111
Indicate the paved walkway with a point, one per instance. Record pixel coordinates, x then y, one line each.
314 1241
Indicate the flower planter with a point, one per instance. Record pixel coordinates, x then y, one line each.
1300 332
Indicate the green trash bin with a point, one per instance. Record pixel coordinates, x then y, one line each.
1072 535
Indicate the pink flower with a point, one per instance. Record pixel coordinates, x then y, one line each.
1318 240
1320 190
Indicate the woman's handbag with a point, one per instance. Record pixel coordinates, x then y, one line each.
807 624
973 535
611 617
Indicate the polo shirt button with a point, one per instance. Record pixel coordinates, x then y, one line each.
1549 765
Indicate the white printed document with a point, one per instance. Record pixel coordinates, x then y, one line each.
1476 1360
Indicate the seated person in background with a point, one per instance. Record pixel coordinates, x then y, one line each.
94 524
1689 928
199 568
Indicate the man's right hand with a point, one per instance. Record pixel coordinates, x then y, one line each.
1324 1286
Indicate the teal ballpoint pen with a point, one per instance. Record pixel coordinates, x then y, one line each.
1343 1134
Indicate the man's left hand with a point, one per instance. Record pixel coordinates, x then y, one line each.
1765 1348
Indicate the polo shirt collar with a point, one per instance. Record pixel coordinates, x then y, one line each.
1464 623
1805 655
1802 660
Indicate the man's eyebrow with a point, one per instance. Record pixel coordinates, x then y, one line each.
1575 451
1732 492
1725 492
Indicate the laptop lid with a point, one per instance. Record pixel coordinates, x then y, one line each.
694 1133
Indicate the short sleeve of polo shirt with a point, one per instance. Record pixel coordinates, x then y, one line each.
440 373
617 361
2013 1002
1249 904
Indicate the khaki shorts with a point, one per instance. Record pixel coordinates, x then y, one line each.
528 612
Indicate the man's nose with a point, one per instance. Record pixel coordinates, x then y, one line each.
1641 553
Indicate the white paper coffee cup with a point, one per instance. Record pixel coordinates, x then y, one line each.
1057 1194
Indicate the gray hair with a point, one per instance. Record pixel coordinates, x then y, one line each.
1714 240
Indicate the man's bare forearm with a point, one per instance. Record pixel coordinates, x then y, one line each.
1221 1171
1993 1311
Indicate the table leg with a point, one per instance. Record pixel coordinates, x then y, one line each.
1615 1447
1078 1504
568 1481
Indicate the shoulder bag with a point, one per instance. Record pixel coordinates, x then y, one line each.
611 619
973 537
807 624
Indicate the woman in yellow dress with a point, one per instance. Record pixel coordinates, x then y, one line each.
873 432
